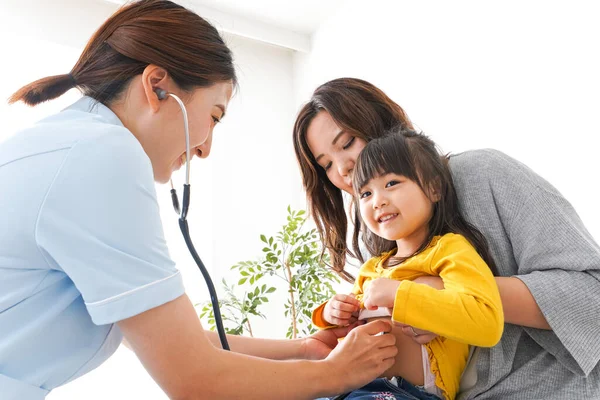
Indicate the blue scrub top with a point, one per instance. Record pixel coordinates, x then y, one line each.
81 247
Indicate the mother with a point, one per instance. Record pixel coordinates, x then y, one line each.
548 264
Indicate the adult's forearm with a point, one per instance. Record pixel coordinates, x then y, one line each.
235 376
265 348
520 307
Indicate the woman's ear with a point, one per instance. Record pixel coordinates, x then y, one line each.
154 77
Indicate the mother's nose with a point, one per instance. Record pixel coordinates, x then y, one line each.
345 168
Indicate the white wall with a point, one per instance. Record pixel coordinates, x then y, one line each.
239 192
473 75
519 76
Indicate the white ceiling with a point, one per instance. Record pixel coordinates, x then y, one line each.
302 16
284 23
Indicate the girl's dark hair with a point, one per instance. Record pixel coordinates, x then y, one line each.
364 111
140 33
416 157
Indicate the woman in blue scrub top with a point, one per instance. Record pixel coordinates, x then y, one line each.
85 263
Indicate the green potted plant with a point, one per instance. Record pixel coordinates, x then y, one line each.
294 261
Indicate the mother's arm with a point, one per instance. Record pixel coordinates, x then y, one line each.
537 238
520 307
518 303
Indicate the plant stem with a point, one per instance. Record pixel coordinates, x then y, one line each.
249 328
293 304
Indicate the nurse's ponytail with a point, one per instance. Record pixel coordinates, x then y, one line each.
140 33
43 89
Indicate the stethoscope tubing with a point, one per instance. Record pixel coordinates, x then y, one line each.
183 225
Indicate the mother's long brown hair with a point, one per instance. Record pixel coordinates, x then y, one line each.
140 33
364 111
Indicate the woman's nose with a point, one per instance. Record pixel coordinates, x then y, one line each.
345 168
203 150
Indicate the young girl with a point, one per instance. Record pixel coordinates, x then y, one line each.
405 199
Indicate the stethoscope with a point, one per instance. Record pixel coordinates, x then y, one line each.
183 225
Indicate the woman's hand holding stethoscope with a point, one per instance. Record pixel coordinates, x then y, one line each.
364 354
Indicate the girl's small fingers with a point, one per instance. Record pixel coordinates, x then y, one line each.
346 298
341 314
345 307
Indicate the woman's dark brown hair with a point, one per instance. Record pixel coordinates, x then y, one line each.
145 32
416 157
364 111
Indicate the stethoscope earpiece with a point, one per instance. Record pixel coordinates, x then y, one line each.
160 93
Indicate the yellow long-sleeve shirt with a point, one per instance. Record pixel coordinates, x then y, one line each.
468 311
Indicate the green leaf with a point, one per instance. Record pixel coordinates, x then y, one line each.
264 238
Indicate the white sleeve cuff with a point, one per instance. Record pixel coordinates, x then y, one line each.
136 301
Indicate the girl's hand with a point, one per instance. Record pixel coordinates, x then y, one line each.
418 335
341 310
380 292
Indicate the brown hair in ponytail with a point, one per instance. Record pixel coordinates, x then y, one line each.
145 32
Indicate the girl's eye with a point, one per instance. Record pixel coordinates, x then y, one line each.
326 168
216 120
347 145
391 183
364 195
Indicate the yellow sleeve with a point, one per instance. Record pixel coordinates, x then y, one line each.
468 310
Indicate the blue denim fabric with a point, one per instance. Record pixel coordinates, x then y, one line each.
383 389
